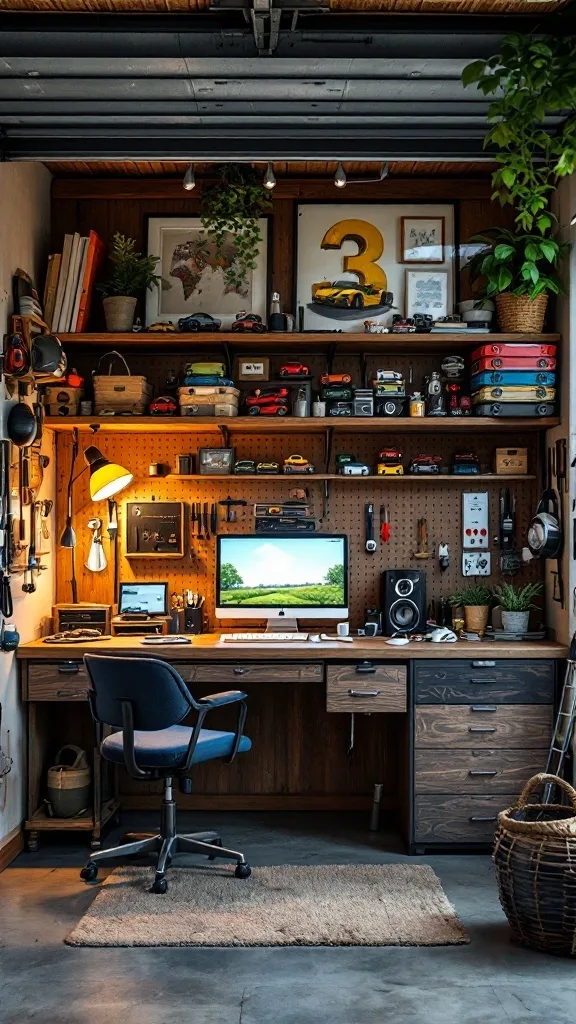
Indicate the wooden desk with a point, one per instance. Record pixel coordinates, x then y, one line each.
451 730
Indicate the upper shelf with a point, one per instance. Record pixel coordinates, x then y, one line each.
305 342
296 425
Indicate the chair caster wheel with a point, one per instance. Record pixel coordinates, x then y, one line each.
243 871
89 873
160 885
217 842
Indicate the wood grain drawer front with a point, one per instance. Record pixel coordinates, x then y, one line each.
466 682
366 687
258 671
527 727
57 680
464 819
475 771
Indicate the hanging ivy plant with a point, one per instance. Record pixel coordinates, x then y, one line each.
234 204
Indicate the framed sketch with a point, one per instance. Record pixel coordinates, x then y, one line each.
193 279
427 292
422 239
252 369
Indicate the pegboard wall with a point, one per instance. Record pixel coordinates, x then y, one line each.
407 500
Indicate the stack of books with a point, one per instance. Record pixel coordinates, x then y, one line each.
70 283
456 327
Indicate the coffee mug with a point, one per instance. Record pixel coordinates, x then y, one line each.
343 629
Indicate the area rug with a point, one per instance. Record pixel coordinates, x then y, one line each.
327 905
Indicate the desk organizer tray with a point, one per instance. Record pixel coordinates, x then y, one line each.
513 363
523 378
502 393
514 409
513 350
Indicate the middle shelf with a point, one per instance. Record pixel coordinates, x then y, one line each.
310 478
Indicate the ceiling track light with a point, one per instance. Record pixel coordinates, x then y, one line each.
269 178
189 180
340 177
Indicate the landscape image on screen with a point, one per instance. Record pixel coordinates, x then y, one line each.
279 572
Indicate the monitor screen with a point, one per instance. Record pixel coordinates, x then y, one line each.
273 573
143 598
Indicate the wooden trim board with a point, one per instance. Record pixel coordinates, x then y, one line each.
11 846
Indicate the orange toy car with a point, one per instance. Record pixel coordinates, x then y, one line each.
335 378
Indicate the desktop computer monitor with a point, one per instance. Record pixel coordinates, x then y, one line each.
282 577
143 599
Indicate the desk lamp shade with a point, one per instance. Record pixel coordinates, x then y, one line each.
106 478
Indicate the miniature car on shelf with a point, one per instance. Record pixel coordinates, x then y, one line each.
272 409
350 295
268 467
466 462
425 464
297 464
355 469
164 405
389 377
403 326
244 466
335 378
199 322
371 327
294 370
390 462
249 322
161 327
268 402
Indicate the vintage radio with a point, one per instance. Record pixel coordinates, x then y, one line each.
511 461
82 615
336 392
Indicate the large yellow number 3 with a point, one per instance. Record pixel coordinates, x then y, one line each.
370 248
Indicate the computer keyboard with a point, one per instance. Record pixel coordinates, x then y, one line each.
266 638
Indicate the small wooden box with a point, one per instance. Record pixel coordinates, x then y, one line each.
511 461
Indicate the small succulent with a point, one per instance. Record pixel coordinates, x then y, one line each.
478 595
517 599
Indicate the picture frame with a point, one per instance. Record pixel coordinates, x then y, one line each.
190 285
427 292
252 369
422 239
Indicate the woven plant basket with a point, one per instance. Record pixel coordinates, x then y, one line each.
520 313
535 861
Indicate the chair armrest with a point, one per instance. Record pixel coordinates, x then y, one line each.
217 700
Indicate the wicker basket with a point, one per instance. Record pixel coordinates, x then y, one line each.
69 784
520 313
535 861
122 393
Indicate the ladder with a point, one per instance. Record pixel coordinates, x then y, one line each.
564 726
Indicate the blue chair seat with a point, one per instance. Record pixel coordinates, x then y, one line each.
166 748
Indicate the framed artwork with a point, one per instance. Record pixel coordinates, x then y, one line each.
192 278
252 369
427 292
422 239
347 261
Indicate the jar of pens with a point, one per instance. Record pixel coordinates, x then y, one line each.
187 612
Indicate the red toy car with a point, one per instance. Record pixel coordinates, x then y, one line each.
268 402
272 409
294 370
164 405
249 322
425 464
335 378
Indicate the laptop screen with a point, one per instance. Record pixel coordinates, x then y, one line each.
143 598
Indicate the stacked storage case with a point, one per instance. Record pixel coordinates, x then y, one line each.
204 400
514 380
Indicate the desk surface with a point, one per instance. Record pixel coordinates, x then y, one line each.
207 647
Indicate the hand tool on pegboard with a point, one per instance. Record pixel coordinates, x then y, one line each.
384 524
422 549
230 506
213 519
369 528
205 516
510 557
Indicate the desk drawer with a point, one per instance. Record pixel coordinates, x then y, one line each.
475 771
366 686
503 682
527 727
57 680
465 819
245 671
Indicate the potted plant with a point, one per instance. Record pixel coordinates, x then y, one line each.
131 274
516 603
475 600
233 207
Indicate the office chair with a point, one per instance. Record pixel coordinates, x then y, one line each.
147 699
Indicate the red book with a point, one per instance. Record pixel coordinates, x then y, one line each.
93 261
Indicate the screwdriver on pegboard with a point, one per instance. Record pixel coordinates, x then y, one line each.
384 524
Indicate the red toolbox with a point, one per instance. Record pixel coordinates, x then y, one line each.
512 362
514 350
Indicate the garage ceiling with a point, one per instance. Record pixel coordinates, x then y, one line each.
244 80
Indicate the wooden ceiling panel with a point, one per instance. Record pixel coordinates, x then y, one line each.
528 7
283 169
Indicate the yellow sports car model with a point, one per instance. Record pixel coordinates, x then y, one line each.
349 295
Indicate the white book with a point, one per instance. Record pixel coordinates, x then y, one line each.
79 282
71 281
62 277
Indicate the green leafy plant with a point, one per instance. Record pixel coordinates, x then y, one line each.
131 273
534 77
477 595
233 205
517 599
524 264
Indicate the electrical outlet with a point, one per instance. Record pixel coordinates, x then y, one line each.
476 563
475 520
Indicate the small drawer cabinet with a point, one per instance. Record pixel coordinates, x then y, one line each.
481 729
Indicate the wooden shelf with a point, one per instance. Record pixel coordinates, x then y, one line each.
340 478
306 342
41 822
295 425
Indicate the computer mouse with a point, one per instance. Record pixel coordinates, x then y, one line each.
398 641
442 635
314 638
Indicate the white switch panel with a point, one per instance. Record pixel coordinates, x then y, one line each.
476 563
475 520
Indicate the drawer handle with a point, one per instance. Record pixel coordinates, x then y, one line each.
364 693
483 664
480 708
365 667
240 671
71 693
483 817
482 728
68 668
493 682
482 771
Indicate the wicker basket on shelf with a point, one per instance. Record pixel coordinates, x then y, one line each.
535 861
520 313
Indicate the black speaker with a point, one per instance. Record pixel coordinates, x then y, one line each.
403 601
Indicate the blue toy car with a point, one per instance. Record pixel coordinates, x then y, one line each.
199 322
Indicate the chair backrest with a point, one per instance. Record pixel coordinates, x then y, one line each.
158 695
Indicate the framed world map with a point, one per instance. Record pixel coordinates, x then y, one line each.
193 276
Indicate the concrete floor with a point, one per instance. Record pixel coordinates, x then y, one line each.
490 981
